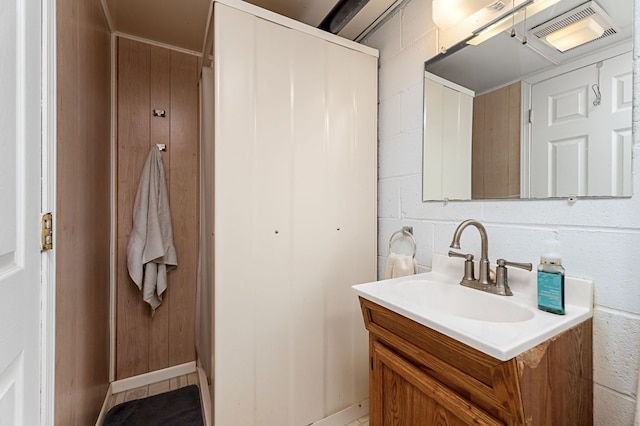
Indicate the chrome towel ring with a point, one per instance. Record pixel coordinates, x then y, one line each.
407 232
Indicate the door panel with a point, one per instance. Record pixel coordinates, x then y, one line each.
579 146
19 212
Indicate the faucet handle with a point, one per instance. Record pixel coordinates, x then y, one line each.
503 262
467 256
469 269
502 282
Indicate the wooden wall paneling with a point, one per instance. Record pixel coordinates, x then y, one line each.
477 149
496 144
150 78
82 211
185 206
496 132
132 314
160 133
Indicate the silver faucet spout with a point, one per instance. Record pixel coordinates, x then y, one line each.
484 254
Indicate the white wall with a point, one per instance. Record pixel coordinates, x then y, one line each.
599 238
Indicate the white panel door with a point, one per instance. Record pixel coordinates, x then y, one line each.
19 212
578 148
448 122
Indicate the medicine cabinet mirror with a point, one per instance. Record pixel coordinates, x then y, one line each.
513 117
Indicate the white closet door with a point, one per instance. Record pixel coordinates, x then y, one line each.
309 225
295 222
351 120
235 273
448 122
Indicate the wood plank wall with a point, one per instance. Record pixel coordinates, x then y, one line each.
495 164
152 77
83 211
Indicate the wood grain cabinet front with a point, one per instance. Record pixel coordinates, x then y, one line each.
420 377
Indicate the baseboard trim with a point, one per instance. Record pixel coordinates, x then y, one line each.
345 416
152 377
103 411
205 396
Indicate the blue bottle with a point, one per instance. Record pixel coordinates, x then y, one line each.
551 280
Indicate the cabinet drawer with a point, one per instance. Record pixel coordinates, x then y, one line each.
409 396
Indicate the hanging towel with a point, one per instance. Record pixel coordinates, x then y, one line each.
400 265
150 252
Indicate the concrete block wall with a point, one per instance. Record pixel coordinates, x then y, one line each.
599 239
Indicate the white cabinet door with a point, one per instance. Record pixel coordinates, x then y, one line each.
579 148
448 122
295 221
19 212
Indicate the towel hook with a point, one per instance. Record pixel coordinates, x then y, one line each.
161 146
596 87
405 231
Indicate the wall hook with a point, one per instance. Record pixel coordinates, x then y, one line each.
161 146
596 87
159 113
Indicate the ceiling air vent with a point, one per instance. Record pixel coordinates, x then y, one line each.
589 19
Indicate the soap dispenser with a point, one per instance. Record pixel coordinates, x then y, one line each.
551 280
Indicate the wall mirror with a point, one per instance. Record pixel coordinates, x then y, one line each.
535 106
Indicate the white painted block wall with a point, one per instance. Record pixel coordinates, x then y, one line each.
600 239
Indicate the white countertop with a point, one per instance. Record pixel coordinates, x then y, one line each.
518 324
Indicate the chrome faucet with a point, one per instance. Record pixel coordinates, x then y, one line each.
499 285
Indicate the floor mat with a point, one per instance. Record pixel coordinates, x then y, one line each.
180 407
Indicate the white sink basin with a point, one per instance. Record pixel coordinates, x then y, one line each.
500 326
463 302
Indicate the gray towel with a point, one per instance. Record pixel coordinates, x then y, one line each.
150 253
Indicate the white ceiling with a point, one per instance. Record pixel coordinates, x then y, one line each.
503 60
182 23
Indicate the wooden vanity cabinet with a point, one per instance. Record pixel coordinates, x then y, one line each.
420 377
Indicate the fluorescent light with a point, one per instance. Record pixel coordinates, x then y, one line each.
447 13
492 30
514 18
574 35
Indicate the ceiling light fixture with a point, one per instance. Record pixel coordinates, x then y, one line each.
447 13
578 26
510 21
574 35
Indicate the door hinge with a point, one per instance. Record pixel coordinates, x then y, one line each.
47 231
530 116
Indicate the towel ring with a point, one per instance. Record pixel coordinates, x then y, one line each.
406 231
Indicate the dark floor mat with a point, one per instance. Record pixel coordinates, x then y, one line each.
180 407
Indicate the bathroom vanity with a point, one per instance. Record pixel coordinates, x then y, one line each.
444 354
